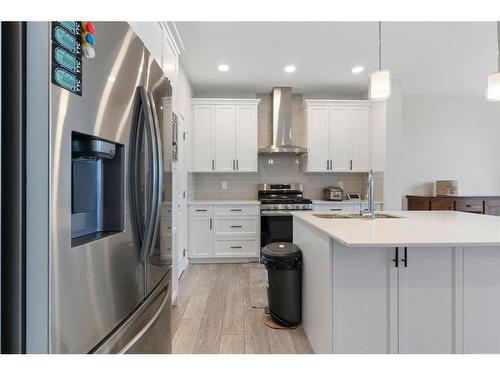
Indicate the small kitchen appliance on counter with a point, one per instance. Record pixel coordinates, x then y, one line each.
333 193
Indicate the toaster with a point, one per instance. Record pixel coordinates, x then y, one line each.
333 193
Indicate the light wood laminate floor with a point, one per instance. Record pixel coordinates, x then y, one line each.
215 313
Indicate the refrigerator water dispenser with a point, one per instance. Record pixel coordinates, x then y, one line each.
97 191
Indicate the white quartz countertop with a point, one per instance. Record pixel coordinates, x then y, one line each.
413 228
230 202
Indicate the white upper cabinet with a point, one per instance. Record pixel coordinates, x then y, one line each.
231 145
225 134
338 136
339 139
204 138
246 138
318 137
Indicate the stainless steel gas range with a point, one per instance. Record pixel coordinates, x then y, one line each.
277 203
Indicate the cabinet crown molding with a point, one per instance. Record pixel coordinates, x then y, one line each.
347 103
196 101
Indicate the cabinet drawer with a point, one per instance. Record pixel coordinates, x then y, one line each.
492 207
469 205
335 208
201 210
231 247
442 204
240 210
236 226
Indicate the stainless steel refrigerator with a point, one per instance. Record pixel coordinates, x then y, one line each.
92 249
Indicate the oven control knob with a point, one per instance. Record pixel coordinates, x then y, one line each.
298 207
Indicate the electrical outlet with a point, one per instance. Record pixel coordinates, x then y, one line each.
340 184
224 185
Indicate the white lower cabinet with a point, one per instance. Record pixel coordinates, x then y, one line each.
426 300
364 300
481 300
235 247
200 234
224 231
341 206
245 226
334 208
380 305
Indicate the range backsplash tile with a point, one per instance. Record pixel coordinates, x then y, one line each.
276 169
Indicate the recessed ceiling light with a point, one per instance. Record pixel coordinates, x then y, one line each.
357 69
290 69
223 67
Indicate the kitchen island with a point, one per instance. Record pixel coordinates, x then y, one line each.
422 282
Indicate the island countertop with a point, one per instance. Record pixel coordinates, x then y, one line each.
411 228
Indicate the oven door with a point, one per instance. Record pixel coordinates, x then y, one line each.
275 226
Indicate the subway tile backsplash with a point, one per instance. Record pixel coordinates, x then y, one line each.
275 169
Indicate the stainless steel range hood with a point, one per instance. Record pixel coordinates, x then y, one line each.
282 124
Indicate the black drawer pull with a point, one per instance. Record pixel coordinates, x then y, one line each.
405 259
236 210
335 209
468 205
396 257
235 226
235 247
201 210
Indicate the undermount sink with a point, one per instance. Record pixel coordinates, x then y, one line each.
356 216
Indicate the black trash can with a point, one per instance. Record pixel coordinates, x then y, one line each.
283 261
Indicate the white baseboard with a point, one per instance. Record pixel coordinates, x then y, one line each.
174 299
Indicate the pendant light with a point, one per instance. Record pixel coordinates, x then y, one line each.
493 92
380 81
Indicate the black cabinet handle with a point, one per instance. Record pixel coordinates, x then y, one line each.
237 165
396 257
235 247
335 209
236 209
405 259
201 210
213 164
328 165
210 223
235 226
351 164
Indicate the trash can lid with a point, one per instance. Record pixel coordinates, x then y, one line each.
281 250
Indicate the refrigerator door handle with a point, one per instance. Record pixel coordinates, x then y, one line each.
151 211
159 165
135 143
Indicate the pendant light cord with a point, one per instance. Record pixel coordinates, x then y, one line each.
380 45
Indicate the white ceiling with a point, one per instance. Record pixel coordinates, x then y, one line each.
429 57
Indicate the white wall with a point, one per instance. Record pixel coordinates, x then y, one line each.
183 95
431 137
378 136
